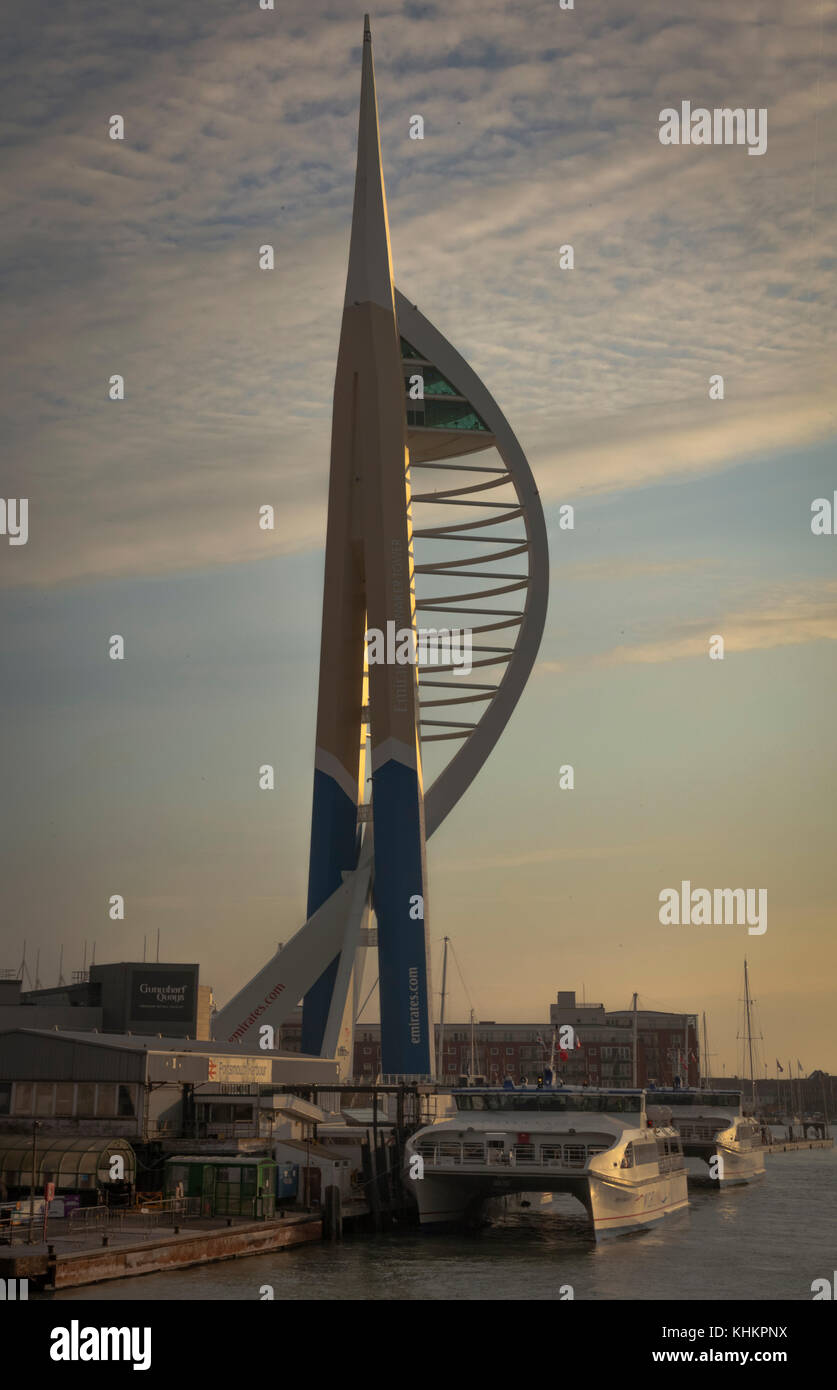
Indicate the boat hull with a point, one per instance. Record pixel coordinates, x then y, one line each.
740 1167
614 1208
618 1209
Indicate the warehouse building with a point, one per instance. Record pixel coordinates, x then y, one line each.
147 997
144 1089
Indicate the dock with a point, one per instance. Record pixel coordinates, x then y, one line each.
782 1146
63 1264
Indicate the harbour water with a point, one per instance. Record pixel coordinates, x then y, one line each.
768 1241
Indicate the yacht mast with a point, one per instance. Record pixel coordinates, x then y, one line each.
633 1049
749 1032
440 1058
473 1066
705 1069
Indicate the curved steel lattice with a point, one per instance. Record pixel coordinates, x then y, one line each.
505 645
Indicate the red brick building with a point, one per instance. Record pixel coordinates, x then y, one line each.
600 1054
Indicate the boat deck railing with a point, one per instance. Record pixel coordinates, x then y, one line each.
452 1153
693 1132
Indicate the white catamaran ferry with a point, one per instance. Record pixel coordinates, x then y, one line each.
712 1126
598 1145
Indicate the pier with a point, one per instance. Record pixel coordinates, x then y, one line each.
63 1264
801 1134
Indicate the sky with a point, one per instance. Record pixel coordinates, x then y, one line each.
692 515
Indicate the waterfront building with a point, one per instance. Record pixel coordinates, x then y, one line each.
147 997
146 1090
601 1055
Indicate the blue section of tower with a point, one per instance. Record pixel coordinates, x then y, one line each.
402 953
334 847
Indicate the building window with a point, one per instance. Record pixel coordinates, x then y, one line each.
23 1097
509 1051
64 1097
86 1099
44 1097
367 1052
105 1099
494 1051
125 1101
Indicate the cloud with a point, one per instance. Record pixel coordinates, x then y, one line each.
787 619
141 257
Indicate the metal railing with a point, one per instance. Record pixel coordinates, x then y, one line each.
448 1153
86 1222
693 1132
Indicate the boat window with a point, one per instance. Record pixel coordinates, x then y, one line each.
701 1098
645 1153
528 1101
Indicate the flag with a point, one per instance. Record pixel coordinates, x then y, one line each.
565 1056
779 1066
799 1066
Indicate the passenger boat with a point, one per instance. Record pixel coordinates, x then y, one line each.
597 1145
713 1126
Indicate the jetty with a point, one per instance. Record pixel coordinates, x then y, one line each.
68 1263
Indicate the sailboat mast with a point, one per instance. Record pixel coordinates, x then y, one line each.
440 1059
633 1049
705 1068
473 1067
749 1032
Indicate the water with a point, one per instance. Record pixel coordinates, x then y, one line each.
766 1241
